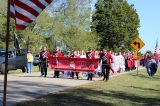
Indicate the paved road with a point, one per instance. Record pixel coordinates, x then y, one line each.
22 87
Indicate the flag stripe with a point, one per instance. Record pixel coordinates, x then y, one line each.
32 6
20 27
22 22
45 2
12 10
39 4
26 11
25 7
156 49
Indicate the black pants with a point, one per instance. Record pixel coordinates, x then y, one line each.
44 68
90 75
105 71
56 74
44 71
76 75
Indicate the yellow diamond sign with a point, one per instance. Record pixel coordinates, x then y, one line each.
137 55
137 44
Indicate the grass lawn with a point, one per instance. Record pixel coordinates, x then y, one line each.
125 90
35 69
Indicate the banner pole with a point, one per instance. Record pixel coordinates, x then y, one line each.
6 55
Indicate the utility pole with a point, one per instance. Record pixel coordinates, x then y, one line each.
28 44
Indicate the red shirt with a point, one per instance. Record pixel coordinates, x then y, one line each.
71 55
90 55
106 58
44 55
57 53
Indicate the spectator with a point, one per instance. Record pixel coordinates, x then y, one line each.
151 66
29 62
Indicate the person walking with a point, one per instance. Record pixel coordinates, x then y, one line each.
107 59
29 62
44 54
151 66
90 55
57 53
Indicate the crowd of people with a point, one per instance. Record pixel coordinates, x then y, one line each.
108 61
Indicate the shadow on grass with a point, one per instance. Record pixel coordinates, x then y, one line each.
145 76
88 97
147 89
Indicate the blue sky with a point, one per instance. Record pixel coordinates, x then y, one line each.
149 14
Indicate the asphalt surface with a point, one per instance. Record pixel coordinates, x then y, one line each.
28 86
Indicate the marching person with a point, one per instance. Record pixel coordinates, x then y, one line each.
106 61
74 55
121 62
151 65
43 58
57 53
90 55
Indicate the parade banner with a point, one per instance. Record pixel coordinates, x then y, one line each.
73 64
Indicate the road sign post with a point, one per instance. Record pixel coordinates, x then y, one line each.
137 55
137 44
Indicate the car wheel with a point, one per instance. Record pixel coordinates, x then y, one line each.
2 72
3 69
34 64
24 70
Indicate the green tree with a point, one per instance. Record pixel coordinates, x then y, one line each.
116 23
71 23
63 20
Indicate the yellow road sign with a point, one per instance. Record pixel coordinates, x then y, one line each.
137 55
137 44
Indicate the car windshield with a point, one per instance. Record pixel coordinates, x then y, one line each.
2 54
36 55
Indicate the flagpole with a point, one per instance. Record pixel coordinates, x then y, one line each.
28 44
6 55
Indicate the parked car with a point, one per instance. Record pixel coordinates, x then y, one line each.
36 60
17 59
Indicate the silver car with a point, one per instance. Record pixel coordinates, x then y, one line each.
17 59
36 60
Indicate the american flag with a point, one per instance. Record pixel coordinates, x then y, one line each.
26 11
16 42
156 48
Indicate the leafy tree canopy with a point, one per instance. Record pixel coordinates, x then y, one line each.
116 23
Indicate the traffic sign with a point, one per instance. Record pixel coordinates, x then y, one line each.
137 55
137 44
